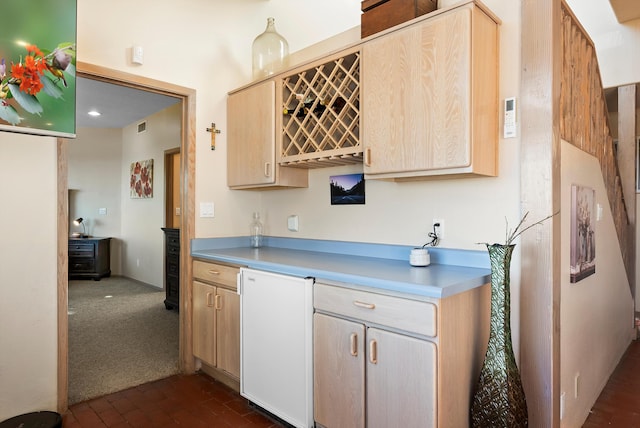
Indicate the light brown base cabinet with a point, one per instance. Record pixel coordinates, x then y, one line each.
216 320
382 361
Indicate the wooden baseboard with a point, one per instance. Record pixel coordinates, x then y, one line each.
221 377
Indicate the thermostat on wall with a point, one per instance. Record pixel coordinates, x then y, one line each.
510 117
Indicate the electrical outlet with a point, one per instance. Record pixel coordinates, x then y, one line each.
439 230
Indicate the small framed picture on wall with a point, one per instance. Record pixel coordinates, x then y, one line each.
583 244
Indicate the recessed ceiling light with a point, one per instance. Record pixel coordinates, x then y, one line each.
94 113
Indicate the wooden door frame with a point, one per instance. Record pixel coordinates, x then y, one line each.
168 185
187 221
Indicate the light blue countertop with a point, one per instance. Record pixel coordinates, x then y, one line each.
373 266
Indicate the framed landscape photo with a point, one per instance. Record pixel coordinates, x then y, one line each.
37 67
347 189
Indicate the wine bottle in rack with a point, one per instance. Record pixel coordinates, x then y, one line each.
306 107
302 112
338 104
320 107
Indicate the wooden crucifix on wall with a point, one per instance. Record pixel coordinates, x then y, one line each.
213 131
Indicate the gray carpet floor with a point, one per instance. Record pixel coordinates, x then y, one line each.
120 335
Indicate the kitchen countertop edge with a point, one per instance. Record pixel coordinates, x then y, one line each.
375 267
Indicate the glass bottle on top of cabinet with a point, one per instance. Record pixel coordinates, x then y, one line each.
270 51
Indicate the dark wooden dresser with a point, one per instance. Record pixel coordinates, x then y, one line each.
89 258
172 267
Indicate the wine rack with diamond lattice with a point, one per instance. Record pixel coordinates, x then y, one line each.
321 114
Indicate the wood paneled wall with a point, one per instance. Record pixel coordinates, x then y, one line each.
584 122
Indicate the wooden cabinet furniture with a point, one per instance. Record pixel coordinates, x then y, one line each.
172 267
89 258
320 112
430 97
383 360
251 150
216 319
417 101
306 118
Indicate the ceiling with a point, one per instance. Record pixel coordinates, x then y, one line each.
625 10
119 106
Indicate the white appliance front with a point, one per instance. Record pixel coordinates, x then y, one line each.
276 344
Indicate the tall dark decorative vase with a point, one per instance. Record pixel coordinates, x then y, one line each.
499 400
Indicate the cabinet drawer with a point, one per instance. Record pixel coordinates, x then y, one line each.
81 250
213 272
82 265
172 250
173 240
172 266
404 314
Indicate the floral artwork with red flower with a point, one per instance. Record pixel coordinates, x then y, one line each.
38 67
141 180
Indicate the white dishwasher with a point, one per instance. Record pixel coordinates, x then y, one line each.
276 344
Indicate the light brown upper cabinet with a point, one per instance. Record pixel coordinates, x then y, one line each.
251 151
429 97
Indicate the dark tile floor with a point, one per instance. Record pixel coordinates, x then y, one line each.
191 401
196 401
618 405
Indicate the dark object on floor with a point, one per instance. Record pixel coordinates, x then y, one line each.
34 420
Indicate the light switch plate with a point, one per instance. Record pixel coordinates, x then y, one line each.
292 223
137 55
206 209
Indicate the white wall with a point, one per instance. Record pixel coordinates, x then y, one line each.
99 171
141 237
592 339
28 274
95 158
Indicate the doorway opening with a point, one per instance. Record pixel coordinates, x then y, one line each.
186 195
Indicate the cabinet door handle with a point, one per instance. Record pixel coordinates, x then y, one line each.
364 305
218 304
373 351
214 272
367 157
267 169
209 300
354 344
